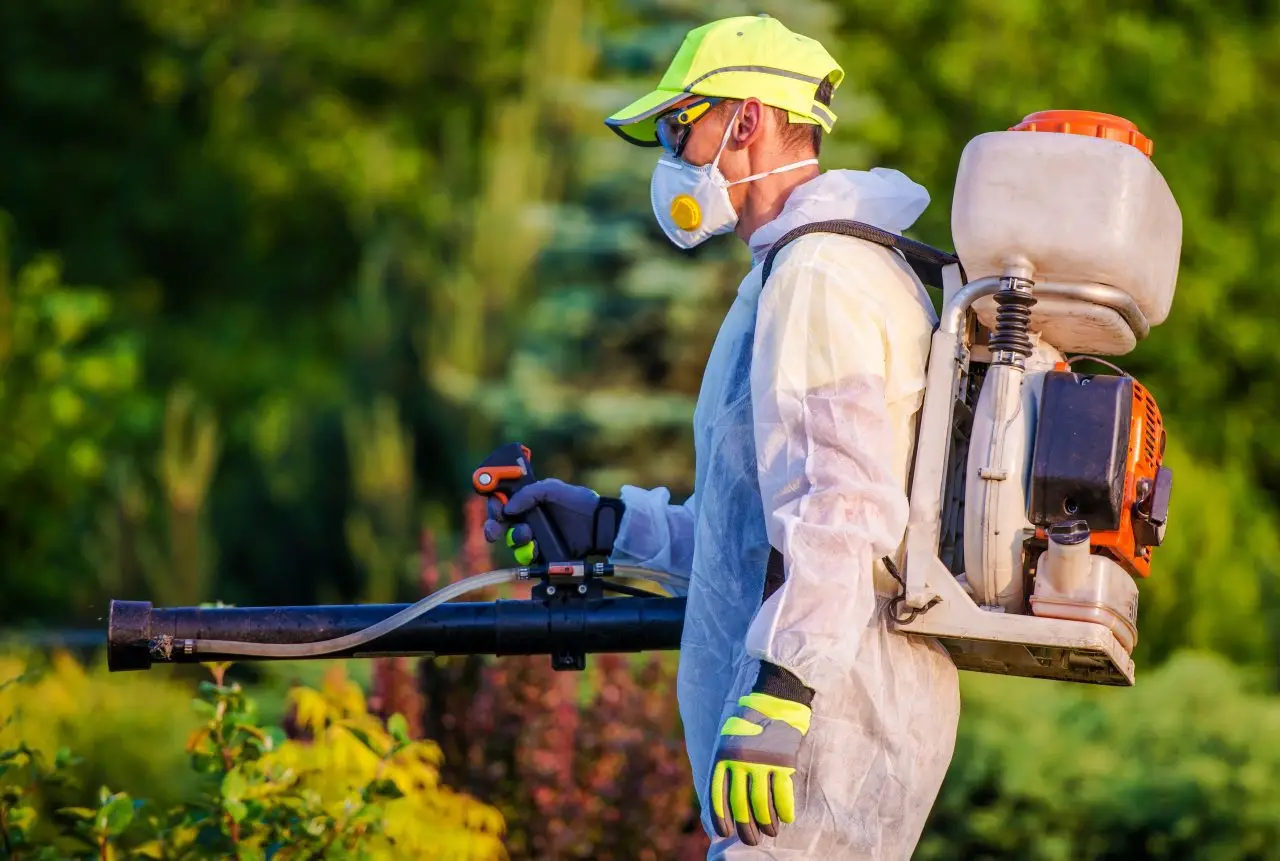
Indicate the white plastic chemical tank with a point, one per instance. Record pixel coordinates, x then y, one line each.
1076 195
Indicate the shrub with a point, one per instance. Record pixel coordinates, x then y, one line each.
1184 765
355 789
583 766
128 730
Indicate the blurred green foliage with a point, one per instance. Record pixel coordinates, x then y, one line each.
340 251
65 385
1182 766
128 731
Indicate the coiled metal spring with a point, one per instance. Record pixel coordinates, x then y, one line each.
1011 335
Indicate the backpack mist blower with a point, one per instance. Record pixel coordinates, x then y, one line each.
1038 492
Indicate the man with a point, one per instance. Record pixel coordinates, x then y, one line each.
813 731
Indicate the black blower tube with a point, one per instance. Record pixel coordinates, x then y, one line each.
139 635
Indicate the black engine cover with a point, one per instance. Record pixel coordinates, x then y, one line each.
1081 444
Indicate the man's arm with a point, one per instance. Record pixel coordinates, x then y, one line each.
655 534
824 457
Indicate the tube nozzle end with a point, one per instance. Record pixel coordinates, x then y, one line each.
128 633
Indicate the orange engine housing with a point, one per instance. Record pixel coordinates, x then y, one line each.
1146 485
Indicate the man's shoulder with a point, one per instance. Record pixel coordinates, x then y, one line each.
845 262
876 279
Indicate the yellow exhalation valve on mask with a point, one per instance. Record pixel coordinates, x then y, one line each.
685 212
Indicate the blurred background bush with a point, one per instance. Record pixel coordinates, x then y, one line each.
274 277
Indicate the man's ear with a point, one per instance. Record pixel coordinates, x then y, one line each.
750 126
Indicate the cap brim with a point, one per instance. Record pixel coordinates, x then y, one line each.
635 123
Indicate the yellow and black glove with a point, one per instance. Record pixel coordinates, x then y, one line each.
752 790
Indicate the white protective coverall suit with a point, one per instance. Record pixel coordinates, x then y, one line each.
804 432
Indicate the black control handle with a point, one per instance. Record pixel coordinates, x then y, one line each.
507 470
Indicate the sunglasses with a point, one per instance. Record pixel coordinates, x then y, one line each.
674 127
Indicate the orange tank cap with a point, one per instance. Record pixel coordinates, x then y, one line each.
1088 123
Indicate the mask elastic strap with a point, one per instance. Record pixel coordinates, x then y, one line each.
783 169
724 141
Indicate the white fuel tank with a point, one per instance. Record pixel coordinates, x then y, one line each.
1076 195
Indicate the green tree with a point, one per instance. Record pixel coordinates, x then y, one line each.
67 384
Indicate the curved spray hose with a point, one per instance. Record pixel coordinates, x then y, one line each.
675 585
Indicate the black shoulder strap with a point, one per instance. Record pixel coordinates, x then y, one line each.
925 260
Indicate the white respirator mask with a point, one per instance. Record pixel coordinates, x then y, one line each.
692 203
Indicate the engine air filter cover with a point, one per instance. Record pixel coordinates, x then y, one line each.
1081 447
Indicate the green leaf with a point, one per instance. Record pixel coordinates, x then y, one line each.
115 817
239 719
364 739
234 785
369 816
150 849
63 777
86 840
20 818
398 726
35 757
77 812
381 790
277 735
236 809
258 745
64 758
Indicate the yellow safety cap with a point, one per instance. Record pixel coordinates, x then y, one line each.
738 58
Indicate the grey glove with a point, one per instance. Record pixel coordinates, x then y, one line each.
587 521
757 755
